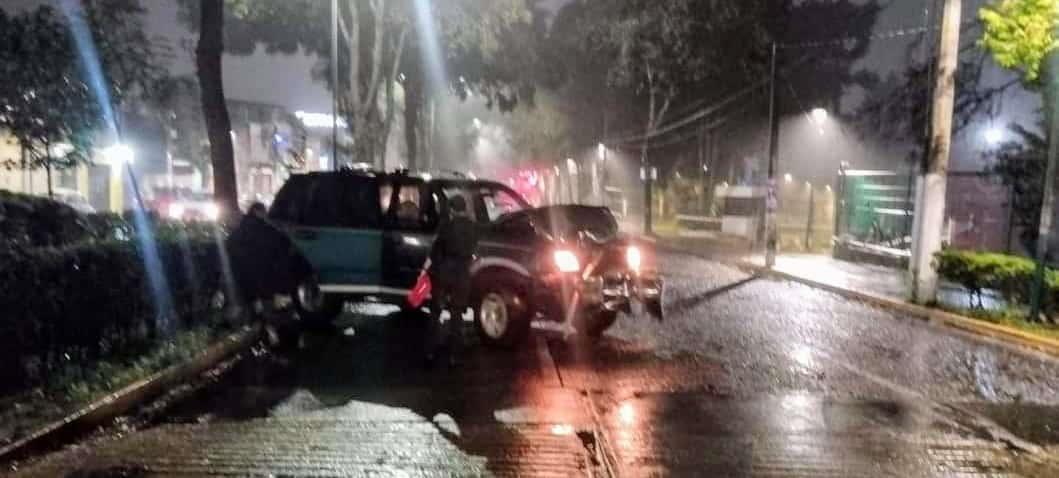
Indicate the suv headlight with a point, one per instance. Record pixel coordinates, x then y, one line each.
633 258
566 261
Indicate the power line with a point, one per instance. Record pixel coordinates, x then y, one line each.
887 35
702 113
690 118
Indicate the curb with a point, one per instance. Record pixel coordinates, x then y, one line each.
979 327
121 401
1006 334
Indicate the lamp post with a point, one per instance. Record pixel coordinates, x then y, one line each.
771 202
334 84
120 156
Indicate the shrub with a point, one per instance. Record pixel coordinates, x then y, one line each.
1011 276
92 300
30 221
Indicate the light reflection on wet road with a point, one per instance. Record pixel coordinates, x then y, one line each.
743 378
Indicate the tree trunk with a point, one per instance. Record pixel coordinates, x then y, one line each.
218 123
387 125
412 105
645 167
1051 108
47 172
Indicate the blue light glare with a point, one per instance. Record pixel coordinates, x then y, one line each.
97 82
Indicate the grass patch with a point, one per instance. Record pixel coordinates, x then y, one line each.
77 384
1011 317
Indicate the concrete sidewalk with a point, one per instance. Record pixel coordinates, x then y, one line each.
874 279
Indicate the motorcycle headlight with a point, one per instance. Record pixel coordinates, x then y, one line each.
566 261
176 211
633 257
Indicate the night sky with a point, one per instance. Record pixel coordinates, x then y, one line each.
285 79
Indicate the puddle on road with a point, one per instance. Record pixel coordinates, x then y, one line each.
792 434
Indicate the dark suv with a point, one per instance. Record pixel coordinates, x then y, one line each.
367 235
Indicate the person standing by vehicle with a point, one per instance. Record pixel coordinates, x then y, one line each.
259 280
449 267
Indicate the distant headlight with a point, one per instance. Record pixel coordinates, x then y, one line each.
176 211
566 261
212 211
633 258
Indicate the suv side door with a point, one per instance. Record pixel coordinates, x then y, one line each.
410 221
335 221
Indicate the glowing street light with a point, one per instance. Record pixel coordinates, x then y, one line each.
819 115
118 154
993 136
787 178
477 123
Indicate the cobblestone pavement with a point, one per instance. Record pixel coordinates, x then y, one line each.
744 377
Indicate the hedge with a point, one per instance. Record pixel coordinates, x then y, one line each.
74 287
1011 276
31 221
94 300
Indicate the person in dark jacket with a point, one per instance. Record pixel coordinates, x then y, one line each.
264 260
449 267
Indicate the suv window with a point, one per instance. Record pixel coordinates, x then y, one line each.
450 192
499 202
409 207
289 202
328 201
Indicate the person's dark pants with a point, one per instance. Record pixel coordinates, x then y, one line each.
452 294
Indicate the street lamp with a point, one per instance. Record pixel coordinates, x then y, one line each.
787 178
819 115
118 154
993 136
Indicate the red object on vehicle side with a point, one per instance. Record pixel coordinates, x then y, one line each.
420 291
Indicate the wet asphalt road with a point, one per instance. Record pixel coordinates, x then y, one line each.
745 377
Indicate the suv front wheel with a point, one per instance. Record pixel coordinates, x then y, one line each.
500 316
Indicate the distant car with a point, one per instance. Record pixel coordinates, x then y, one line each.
74 199
367 235
185 205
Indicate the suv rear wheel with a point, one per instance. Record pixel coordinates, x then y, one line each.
500 315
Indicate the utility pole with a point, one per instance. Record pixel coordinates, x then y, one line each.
1051 99
603 159
771 202
645 174
334 84
809 221
926 239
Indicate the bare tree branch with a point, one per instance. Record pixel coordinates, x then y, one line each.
378 8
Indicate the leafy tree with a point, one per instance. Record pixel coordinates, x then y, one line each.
1019 33
1020 165
49 105
898 107
540 130
387 51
